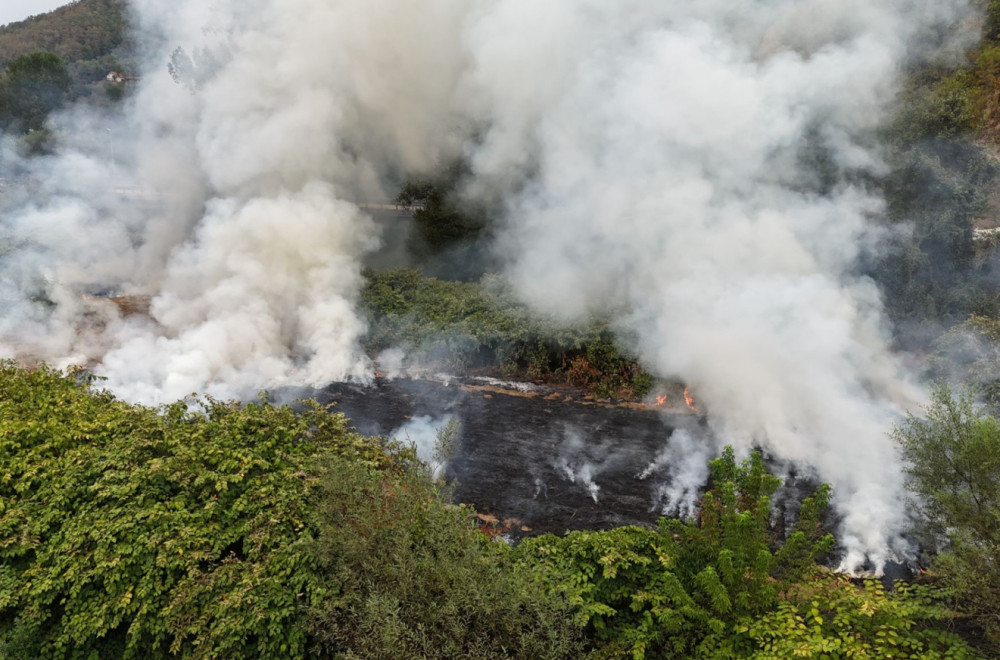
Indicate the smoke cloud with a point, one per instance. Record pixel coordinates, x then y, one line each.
693 169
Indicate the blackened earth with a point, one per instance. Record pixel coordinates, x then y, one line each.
516 451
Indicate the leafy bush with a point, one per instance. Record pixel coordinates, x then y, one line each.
124 532
414 578
239 532
953 456
461 325
680 591
724 587
829 616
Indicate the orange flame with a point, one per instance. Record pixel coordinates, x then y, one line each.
661 400
689 400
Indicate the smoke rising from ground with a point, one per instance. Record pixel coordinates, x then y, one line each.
692 168
424 434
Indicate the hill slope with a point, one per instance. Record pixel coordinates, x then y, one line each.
83 30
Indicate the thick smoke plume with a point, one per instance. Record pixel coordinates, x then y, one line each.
692 168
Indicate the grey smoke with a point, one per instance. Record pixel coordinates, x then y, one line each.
657 161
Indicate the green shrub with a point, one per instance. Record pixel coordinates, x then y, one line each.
462 325
680 591
413 578
128 533
829 616
239 532
953 456
725 587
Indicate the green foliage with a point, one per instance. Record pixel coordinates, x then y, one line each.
32 86
681 591
414 578
942 170
828 616
239 532
463 325
724 587
126 533
953 457
970 352
79 31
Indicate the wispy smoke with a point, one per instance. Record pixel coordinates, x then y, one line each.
424 434
681 468
573 464
692 168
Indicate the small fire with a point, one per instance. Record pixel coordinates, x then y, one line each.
661 400
689 400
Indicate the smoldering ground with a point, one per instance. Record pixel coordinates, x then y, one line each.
691 169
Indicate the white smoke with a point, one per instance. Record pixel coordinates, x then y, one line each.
573 464
668 158
426 435
247 246
691 168
682 464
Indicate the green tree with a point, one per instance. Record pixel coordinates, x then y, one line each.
682 590
828 616
413 577
727 586
125 532
953 462
239 531
32 86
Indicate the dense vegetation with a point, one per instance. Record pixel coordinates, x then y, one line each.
88 40
953 455
941 145
464 325
238 532
31 87
256 531
82 33
726 586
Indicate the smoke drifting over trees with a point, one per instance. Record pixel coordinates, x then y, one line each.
695 170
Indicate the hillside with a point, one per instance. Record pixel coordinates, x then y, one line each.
83 30
88 34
